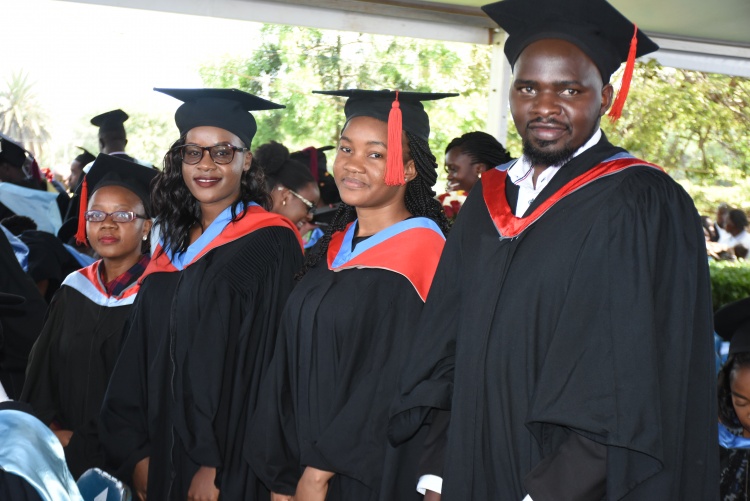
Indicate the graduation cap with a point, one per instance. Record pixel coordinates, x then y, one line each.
109 170
400 110
12 153
224 108
315 159
594 26
111 120
732 322
85 157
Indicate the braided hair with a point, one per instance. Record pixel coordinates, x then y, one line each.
176 209
419 200
481 148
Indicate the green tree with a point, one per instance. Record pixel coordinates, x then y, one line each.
292 62
21 116
694 125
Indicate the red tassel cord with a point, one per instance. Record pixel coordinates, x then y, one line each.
394 172
616 111
83 203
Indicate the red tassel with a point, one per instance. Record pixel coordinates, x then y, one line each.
616 111
394 168
83 203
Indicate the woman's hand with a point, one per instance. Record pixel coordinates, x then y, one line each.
203 488
431 495
281 497
63 436
140 479
313 485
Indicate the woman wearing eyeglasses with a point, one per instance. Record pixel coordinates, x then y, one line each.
75 354
175 414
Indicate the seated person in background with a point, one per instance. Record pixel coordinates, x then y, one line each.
735 237
32 465
19 329
293 189
732 322
71 362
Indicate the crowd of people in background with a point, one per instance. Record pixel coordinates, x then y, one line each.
247 323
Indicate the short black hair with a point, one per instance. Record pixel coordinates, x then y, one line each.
738 218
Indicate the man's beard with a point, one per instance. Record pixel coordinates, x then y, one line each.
547 158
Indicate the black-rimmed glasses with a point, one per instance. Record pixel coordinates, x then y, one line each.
118 216
221 154
309 204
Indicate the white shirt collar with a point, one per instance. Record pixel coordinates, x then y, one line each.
521 172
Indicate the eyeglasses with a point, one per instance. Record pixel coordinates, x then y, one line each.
309 204
118 216
221 154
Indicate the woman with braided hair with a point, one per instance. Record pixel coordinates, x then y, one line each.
348 323
466 157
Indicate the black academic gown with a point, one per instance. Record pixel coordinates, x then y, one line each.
19 329
187 378
343 338
48 260
71 362
592 327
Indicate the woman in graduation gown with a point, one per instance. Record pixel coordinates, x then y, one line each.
175 413
72 359
322 431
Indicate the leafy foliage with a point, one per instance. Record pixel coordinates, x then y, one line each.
730 281
292 62
693 124
21 116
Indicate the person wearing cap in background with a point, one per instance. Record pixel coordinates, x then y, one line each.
569 327
71 362
175 414
76 168
294 192
346 328
112 136
315 159
732 322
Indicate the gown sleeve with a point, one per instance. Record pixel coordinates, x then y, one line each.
40 389
353 441
653 324
123 422
234 346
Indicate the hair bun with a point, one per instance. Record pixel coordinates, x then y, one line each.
272 156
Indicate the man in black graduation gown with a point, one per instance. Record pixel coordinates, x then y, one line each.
568 329
112 137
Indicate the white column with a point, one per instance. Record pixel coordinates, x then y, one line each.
500 78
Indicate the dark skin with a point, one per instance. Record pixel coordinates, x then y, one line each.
557 97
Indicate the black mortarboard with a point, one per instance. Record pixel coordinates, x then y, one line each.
316 160
400 110
594 26
110 170
224 108
85 157
12 153
732 322
111 120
